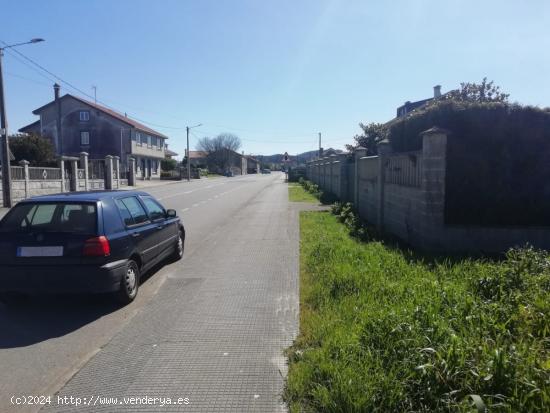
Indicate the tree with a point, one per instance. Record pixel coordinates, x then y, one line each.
372 134
33 148
219 150
168 164
222 141
481 93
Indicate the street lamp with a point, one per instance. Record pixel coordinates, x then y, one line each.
6 172
188 157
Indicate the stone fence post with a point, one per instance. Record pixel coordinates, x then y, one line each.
131 171
384 149
359 153
109 172
434 152
116 160
25 165
84 167
73 184
61 165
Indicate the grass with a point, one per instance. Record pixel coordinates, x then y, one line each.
385 331
297 193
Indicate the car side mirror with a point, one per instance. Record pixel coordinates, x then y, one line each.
171 213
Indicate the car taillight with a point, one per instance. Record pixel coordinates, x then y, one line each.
97 247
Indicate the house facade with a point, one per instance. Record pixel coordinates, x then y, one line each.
76 125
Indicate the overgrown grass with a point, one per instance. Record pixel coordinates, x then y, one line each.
297 193
324 197
382 331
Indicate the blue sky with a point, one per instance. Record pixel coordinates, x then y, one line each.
273 72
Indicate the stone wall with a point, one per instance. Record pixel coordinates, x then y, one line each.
404 195
24 187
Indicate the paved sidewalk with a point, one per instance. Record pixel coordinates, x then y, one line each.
217 329
3 211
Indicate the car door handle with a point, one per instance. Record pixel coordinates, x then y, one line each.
135 234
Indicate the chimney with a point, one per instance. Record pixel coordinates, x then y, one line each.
437 91
56 88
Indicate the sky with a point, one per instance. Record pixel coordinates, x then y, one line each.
274 73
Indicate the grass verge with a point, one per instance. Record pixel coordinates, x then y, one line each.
297 193
383 331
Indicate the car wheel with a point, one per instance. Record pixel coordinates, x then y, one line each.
180 247
129 284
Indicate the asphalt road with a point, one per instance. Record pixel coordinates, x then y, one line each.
208 330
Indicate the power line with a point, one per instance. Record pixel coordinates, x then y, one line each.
70 85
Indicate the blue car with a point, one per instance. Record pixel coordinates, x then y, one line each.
85 242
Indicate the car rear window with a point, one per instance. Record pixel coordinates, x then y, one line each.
78 218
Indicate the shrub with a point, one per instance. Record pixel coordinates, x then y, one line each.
498 172
168 164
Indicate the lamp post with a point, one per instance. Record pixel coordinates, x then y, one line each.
6 172
188 157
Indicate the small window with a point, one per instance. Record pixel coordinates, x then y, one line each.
136 210
84 116
84 138
148 141
156 211
138 138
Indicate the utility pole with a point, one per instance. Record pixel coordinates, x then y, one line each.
6 171
320 147
188 160
188 153
94 87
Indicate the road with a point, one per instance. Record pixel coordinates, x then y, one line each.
209 329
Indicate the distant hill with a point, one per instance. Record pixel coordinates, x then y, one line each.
301 158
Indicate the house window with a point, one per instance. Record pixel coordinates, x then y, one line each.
84 116
148 141
84 138
138 138
159 144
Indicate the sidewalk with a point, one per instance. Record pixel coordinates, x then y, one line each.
3 211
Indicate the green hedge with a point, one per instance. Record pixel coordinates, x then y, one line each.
498 168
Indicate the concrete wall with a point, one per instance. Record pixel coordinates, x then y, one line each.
24 187
404 195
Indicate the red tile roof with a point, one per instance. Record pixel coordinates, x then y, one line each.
109 112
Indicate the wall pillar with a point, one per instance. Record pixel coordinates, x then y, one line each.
434 159
116 165
73 183
84 167
109 172
131 172
25 165
359 153
61 165
384 149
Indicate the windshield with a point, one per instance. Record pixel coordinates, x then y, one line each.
77 218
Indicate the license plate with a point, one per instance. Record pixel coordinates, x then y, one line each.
40 251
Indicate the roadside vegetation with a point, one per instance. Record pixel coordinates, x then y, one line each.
386 330
297 193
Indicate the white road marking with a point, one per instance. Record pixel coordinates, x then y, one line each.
185 209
